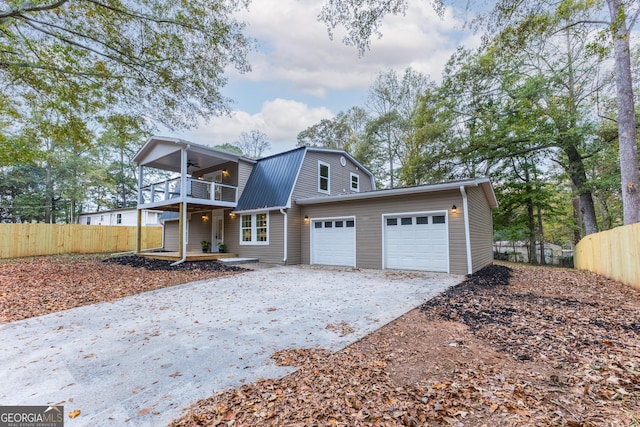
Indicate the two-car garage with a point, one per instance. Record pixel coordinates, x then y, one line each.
411 241
441 228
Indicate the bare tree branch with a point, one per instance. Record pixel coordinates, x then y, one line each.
28 7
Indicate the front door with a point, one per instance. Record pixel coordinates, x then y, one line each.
218 232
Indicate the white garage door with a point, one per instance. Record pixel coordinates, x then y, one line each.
416 242
333 241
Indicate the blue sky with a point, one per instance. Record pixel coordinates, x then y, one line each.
299 76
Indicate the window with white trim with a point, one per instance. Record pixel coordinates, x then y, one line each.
119 219
254 229
355 182
323 177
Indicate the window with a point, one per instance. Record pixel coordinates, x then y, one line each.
351 224
422 220
355 182
88 220
392 221
439 219
254 229
339 224
317 224
406 221
328 224
323 177
119 219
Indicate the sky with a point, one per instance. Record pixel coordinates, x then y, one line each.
300 76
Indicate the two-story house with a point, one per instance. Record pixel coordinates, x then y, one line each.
314 206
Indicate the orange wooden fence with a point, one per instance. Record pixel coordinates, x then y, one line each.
613 253
20 240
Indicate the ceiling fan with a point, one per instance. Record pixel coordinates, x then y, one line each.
192 164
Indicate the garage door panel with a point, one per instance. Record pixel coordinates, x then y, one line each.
416 242
333 242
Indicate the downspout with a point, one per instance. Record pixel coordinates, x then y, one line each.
467 234
183 205
286 232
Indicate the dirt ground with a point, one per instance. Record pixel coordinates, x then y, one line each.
513 345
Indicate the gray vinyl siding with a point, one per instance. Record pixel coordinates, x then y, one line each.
368 214
271 253
481 228
198 231
339 176
307 186
244 170
171 236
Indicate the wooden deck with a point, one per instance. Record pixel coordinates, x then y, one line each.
191 256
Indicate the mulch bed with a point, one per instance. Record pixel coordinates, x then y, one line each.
41 285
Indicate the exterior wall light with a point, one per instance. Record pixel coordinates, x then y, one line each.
306 218
454 209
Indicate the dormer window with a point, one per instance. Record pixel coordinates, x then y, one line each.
323 177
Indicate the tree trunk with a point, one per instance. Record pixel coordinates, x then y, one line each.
543 261
629 174
531 222
579 180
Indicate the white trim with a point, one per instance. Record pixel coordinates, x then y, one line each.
336 218
252 211
413 214
351 175
320 177
254 229
467 232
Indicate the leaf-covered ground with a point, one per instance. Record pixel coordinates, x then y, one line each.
514 346
40 285
510 346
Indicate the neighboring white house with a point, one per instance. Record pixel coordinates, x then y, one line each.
126 216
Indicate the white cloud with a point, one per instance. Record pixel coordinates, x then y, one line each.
280 119
295 47
296 55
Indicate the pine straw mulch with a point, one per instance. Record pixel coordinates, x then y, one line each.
41 285
508 347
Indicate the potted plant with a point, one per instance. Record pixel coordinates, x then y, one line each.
205 244
222 247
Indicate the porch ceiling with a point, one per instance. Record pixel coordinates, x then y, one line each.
164 154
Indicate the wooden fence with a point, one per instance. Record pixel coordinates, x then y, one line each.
20 240
613 253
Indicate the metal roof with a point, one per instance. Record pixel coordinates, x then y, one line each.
272 180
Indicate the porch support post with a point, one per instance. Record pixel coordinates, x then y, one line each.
139 232
181 223
139 211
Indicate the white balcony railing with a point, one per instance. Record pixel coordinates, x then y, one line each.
196 189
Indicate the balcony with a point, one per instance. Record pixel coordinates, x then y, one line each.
199 191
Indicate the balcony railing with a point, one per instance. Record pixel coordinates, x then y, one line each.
196 189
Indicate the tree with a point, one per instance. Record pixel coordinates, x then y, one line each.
253 144
362 19
162 59
229 148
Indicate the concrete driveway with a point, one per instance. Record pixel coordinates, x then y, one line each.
140 360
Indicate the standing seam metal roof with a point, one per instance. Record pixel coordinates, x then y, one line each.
272 180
